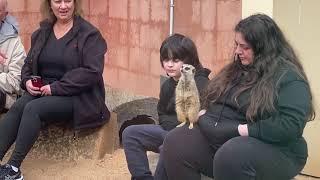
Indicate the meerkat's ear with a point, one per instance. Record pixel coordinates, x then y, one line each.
193 70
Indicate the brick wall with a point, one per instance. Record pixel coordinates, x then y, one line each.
134 30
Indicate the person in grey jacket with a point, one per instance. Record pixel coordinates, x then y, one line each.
12 56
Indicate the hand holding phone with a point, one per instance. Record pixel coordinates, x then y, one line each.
36 81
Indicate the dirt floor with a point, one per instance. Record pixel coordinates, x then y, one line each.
111 167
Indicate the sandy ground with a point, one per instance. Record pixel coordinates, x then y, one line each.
111 167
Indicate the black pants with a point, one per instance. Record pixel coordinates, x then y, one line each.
2 101
22 122
187 153
137 140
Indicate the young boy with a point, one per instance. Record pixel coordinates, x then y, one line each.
175 51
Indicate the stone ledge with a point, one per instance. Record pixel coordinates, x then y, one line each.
60 143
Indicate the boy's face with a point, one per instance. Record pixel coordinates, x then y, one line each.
172 68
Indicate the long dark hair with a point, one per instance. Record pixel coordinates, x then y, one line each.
178 46
272 53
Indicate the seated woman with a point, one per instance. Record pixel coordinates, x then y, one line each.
68 53
254 113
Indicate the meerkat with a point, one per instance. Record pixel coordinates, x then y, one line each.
187 96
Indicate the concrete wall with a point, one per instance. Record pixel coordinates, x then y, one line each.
134 30
250 7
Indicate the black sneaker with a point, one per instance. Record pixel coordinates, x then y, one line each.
7 173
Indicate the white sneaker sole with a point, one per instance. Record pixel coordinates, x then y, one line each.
21 178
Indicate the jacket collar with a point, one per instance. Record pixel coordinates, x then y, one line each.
9 28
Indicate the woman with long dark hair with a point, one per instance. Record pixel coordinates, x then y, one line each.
254 113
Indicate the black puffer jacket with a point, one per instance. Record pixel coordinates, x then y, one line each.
83 79
166 106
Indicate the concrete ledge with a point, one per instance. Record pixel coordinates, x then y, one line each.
60 143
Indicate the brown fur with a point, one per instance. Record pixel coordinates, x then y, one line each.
187 97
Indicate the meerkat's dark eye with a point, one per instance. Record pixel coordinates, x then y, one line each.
187 68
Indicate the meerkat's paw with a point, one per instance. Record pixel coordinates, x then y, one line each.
180 125
191 126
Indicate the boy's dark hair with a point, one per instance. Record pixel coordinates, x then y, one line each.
178 46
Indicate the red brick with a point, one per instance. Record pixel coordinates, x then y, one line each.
116 31
123 38
111 76
33 5
208 14
28 22
228 14
150 36
182 15
206 45
196 12
139 9
145 10
106 59
139 83
225 46
113 31
134 9
139 60
155 65
16 5
94 20
118 9
99 21
98 7
26 40
125 78
86 7
118 56
159 10
134 32
154 89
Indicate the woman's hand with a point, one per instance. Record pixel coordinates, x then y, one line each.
243 130
45 90
34 91
202 112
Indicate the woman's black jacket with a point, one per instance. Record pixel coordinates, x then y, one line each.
83 80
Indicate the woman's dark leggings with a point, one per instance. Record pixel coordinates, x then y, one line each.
187 153
22 122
